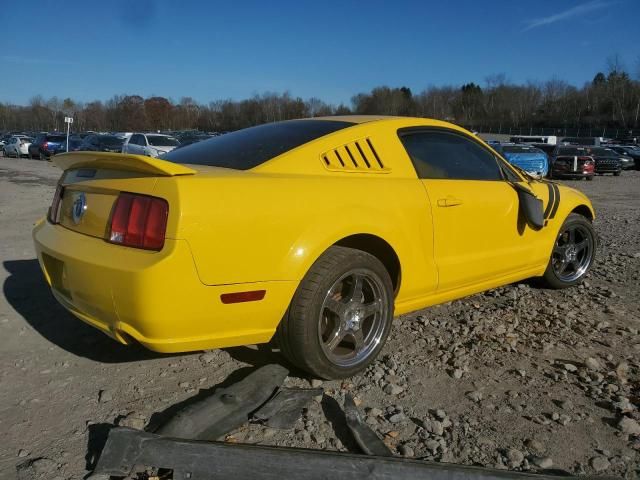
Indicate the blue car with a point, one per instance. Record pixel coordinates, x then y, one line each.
530 159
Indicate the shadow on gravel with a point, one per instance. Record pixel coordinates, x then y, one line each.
28 293
98 434
262 355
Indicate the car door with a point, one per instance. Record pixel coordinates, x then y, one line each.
478 235
145 145
134 145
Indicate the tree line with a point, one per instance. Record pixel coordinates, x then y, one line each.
610 99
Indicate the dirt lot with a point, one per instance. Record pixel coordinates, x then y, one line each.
518 377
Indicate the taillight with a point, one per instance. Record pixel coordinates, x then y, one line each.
55 205
44 146
139 221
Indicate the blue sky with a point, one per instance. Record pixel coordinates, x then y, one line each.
213 50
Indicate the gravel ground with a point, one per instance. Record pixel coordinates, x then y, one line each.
517 378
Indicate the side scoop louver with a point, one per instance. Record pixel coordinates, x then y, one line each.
358 156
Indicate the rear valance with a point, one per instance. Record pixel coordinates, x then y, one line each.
120 161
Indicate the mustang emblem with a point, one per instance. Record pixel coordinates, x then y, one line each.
78 207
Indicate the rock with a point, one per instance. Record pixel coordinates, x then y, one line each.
207 357
432 445
23 453
397 418
184 385
440 414
592 364
624 405
433 426
535 446
542 462
105 396
570 367
599 464
629 426
133 420
566 404
316 383
374 412
391 389
457 374
622 370
475 396
405 450
515 457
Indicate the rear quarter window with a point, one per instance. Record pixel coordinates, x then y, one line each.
250 147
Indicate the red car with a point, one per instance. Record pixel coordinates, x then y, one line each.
570 161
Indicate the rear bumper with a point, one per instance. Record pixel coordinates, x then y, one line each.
154 298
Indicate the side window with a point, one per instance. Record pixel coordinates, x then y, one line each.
143 140
135 139
444 155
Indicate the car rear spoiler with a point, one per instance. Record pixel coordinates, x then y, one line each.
120 161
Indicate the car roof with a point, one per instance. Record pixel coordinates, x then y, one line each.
356 118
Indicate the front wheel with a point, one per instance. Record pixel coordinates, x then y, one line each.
573 253
340 315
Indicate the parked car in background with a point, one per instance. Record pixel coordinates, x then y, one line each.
47 144
547 148
569 161
150 144
607 161
629 150
74 143
102 143
17 146
530 159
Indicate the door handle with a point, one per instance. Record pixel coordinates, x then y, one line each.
449 202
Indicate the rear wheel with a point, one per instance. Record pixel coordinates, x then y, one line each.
589 178
340 316
573 253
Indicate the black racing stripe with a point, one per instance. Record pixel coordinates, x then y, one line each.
555 207
551 200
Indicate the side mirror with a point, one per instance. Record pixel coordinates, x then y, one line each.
531 206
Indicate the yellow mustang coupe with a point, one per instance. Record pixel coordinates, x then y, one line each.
317 231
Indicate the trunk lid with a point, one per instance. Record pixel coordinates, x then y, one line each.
92 182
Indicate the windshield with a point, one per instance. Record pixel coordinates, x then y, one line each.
248 148
111 140
162 141
602 152
519 149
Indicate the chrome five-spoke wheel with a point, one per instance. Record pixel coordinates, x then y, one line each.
340 315
573 252
352 319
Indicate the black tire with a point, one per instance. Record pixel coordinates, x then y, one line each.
578 261
616 174
43 157
589 178
300 333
